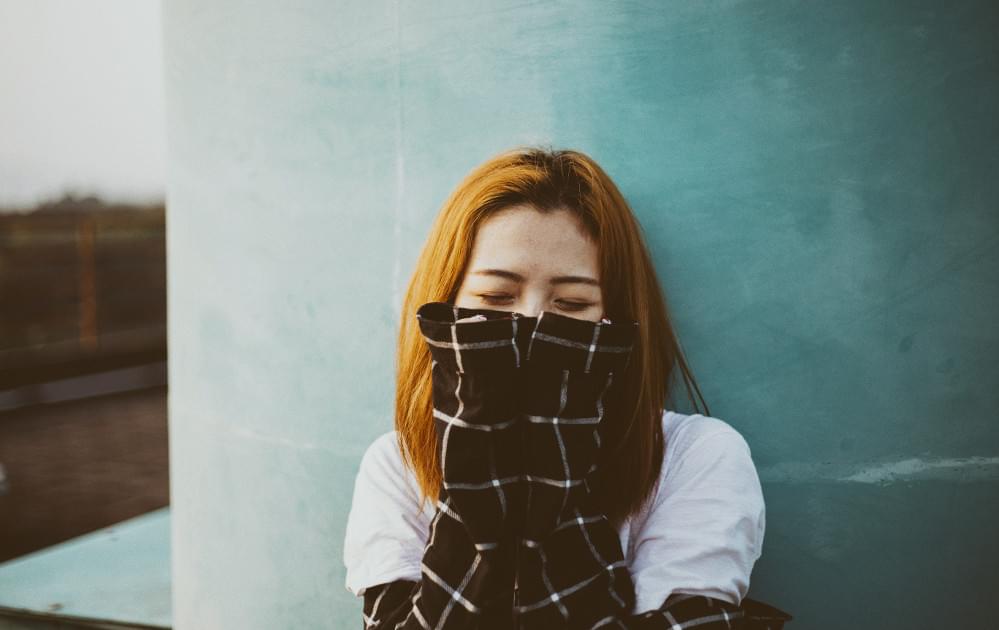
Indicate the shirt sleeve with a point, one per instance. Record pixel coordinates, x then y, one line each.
679 611
705 531
384 536
466 577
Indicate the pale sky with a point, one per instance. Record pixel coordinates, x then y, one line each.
81 100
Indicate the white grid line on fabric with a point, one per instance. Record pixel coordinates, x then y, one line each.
415 612
455 594
593 347
513 342
372 620
481 485
446 508
530 344
578 521
568 591
419 614
700 621
468 345
461 407
563 398
600 416
551 589
457 350
558 483
608 620
600 398
569 343
550 419
600 559
441 511
456 421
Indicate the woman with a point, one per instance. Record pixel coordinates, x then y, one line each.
535 362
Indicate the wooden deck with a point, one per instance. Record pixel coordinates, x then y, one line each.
77 466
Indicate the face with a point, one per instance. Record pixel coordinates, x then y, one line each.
527 261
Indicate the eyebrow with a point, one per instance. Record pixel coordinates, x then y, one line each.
510 275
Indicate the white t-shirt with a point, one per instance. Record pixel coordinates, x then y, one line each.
701 533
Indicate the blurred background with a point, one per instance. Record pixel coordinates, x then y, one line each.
83 379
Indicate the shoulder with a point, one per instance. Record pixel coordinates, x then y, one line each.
684 432
703 529
704 450
385 531
383 476
381 455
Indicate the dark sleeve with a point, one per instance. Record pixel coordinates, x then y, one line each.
687 611
570 570
467 564
516 540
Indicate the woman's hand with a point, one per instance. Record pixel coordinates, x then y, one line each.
570 365
475 369
467 569
571 570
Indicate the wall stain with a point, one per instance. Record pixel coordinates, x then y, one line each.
906 343
957 469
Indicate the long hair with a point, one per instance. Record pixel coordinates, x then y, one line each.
632 437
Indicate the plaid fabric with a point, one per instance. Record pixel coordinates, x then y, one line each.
388 605
570 567
517 540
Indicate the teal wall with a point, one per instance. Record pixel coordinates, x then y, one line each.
818 183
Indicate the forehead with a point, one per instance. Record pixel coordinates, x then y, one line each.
528 241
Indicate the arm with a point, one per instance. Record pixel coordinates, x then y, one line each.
467 565
483 387
570 569
705 613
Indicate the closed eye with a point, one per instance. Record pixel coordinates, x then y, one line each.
566 305
495 299
575 306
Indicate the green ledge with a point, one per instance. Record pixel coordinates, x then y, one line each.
114 578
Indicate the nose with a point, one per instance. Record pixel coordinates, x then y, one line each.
531 307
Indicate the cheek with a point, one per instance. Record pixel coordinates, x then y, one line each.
459 295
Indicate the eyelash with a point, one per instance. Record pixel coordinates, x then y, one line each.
573 306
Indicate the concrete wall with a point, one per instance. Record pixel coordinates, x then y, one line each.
818 184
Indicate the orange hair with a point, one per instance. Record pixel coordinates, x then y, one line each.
633 447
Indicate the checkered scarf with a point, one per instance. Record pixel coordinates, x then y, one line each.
517 540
